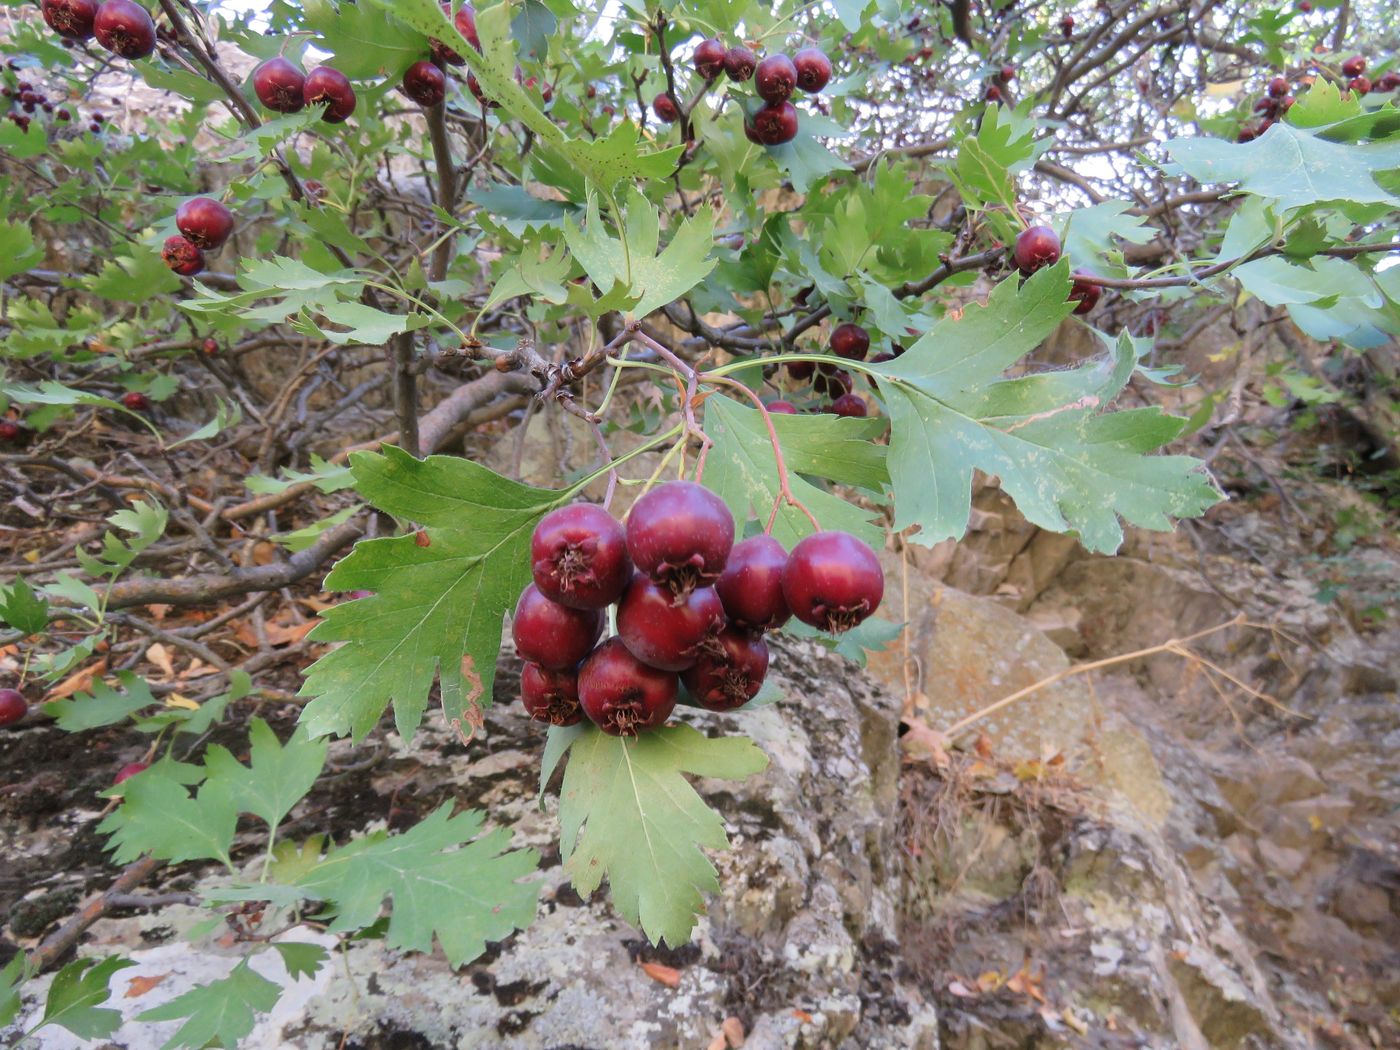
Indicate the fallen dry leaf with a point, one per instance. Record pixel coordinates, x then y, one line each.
160 656
78 681
733 1030
662 974
139 986
802 1015
719 1042
183 702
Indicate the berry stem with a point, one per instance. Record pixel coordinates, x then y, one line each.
691 386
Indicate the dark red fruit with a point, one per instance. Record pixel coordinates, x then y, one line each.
782 408
553 635
182 256
850 406
279 85
751 587
474 86
664 631
550 696
128 771
579 557
1266 105
709 58
1361 85
10 430
1354 66
465 21
1067 25
210 347
13 706
1084 294
665 108
425 84
1278 87
774 124
775 79
731 677
205 222
1305 6
850 341
739 63
833 384
813 69
1389 82
833 581
621 694
801 370
325 85
70 18
136 401
1036 247
680 535
992 94
1248 133
1007 73
124 28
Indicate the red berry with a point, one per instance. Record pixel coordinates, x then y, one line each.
813 69
205 222
124 28
579 558
832 382
210 347
70 18
1067 25
1008 73
773 125
680 535
665 108
1248 133
775 78
279 85
136 401
1354 66
849 406
128 771
474 86
13 706
664 631
801 370
782 408
1266 105
553 635
1389 82
325 84
465 21
992 94
1361 85
1278 87
425 84
182 256
621 694
732 677
833 581
550 696
709 58
1084 294
751 587
1036 247
9 430
850 341
739 63
1305 6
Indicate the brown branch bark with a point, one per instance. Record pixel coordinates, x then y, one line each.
56 945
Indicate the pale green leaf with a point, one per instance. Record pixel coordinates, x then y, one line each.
222 1011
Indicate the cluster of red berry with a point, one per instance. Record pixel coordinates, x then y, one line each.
1000 82
1275 102
204 225
123 27
1354 69
850 342
692 606
27 102
1039 246
283 88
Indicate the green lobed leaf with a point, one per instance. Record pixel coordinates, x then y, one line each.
160 817
277 776
103 706
76 996
12 976
221 1012
22 609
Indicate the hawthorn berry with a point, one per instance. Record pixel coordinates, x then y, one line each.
664 631
680 534
1036 247
832 382
279 85
732 676
992 94
13 706
10 430
553 635
124 28
72 19
135 401
850 340
465 21
775 78
182 256
210 347
709 58
550 696
1084 294
1354 66
621 695
850 406
665 108
1278 87
327 85
205 222
782 408
474 86
773 125
1305 6
833 581
578 555
128 771
1389 82
813 69
1067 26
751 587
1361 85
739 63
425 83
1007 73
801 370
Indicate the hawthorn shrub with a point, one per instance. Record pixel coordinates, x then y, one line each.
786 264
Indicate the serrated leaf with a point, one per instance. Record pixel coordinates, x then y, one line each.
22 609
627 814
159 816
222 1011
226 414
103 706
76 996
17 250
11 977
300 959
277 776
365 40
133 278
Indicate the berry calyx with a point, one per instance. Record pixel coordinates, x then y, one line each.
709 58
833 581
739 63
182 256
1278 87
665 108
680 534
1084 294
553 635
330 87
550 696
136 401
775 79
731 677
1036 247
125 29
782 408
667 632
578 555
850 406
773 125
128 771
13 706
623 696
205 222
813 69
751 587
425 83
279 86
1354 66
72 19
850 341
